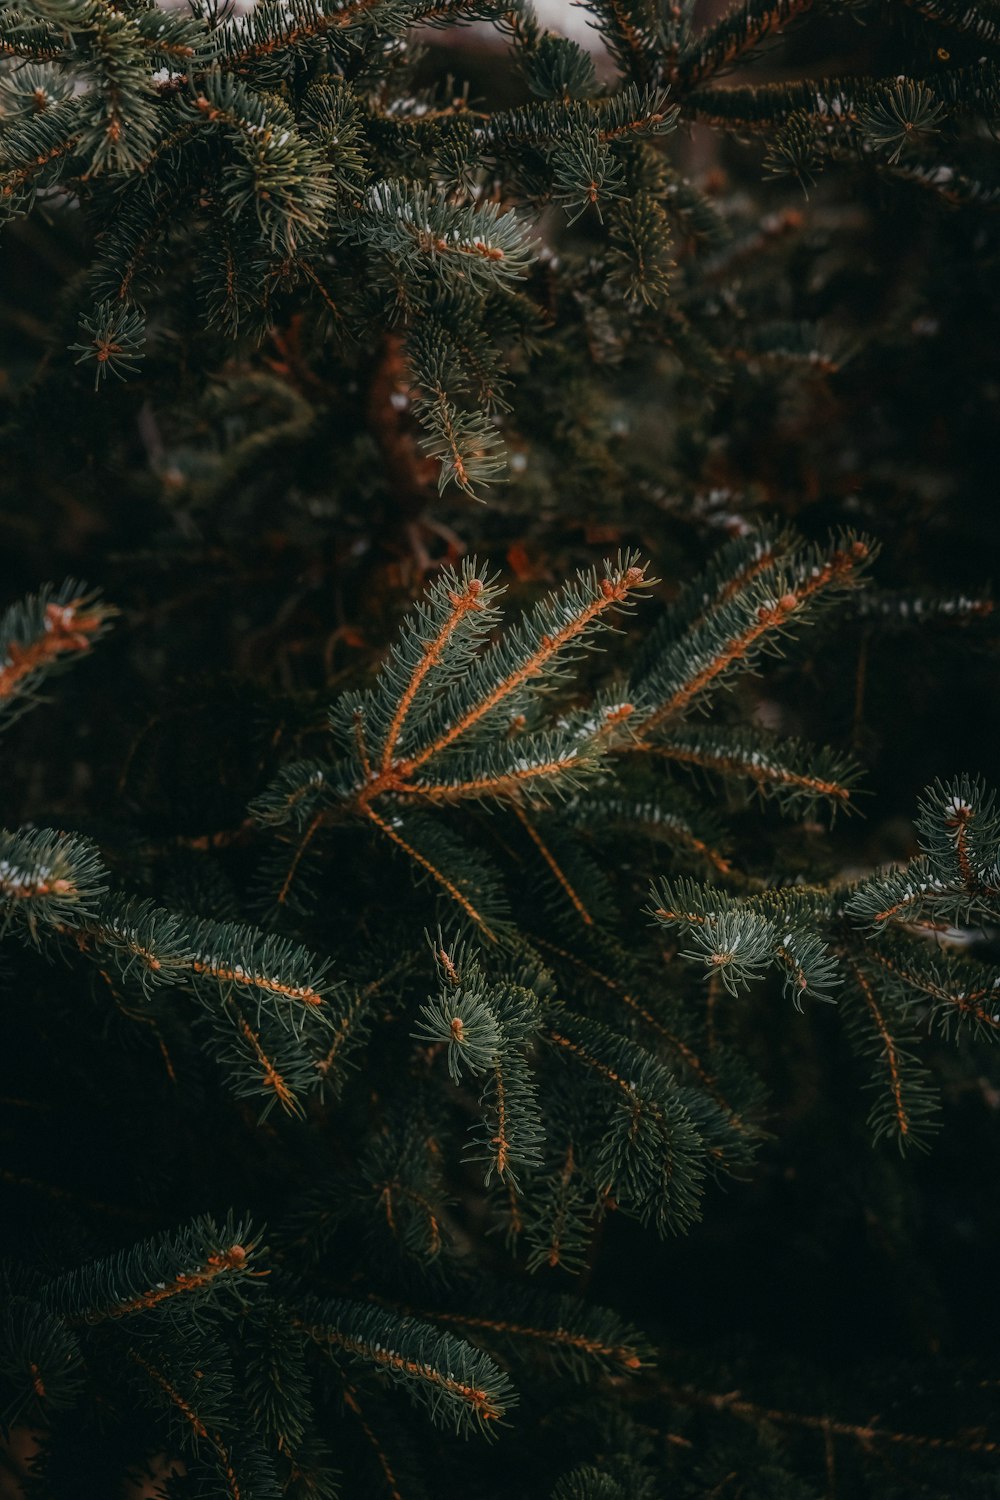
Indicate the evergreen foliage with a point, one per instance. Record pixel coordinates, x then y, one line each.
887 984
457 1044
252 172
574 1077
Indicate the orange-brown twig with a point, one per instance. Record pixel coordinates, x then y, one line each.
351 1402
432 870
612 593
890 1052
232 1259
620 1353
727 49
554 866
461 604
867 1433
763 775
191 1416
273 1080
390 1359
686 1053
771 617
67 628
967 1003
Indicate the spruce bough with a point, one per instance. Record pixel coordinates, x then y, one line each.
485 1065
517 1055
287 175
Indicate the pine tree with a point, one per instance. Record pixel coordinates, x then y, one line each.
351 240
465 1043
519 1052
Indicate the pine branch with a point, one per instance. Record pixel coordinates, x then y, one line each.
556 1219
458 1386
436 704
630 30
267 1077
681 1049
798 776
475 891
554 867
959 831
970 20
738 940
40 1361
278 1386
536 650
486 1029
957 876
438 641
118 114
164 947
587 1482
273 169
48 881
734 636
900 896
256 38
201 1264
730 571
904 610
42 635
26 36
865 1434
111 338
905 1109
743 27
572 1337
963 994
54 886
649 1154
234 1486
